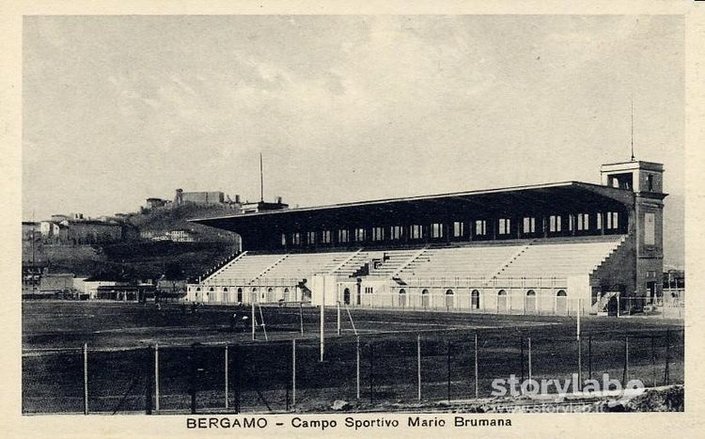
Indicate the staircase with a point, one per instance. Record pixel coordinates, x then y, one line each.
266 270
511 260
222 265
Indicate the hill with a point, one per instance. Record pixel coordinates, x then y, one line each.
138 258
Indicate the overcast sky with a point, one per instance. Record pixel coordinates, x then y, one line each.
118 109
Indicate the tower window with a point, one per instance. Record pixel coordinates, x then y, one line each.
650 182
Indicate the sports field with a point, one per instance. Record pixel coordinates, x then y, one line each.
121 369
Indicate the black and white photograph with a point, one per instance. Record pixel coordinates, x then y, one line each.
353 224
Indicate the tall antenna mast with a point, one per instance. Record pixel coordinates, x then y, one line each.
632 138
261 179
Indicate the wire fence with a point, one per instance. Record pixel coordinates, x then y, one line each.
288 375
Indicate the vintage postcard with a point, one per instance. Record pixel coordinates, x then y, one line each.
300 221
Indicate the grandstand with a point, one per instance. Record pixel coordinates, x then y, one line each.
548 249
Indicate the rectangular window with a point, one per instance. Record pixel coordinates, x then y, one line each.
612 220
458 229
599 221
649 229
396 233
650 182
296 238
554 223
480 227
529 225
359 234
283 239
436 230
504 226
378 233
583 221
311 238
416 231
343 235
325 237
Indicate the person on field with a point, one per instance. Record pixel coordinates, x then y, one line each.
233 322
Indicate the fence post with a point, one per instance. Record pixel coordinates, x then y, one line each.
529 346
418 364
156 377
293 372
667 371
226 373
238 377
372 365
148 383
590 356
448 367
357 361
521 356
85 378
653 360
193 374
625 376
301 318
477 378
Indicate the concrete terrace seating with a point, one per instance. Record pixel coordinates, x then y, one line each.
561 259
303 265
243 269
476 261
394 259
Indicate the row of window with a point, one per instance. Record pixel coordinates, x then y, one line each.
580 222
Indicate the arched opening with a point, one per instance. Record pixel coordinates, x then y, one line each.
449 299
561 302
502 301
612 305
226 296
530 301
402 297
253 296
239 295
475 299
424 298
346 296
285 296
270 295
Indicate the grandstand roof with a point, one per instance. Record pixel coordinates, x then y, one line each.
562 196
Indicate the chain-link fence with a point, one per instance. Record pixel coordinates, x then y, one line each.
287 375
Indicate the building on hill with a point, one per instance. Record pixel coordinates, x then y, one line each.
31 230
155 203
204 198
551 248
